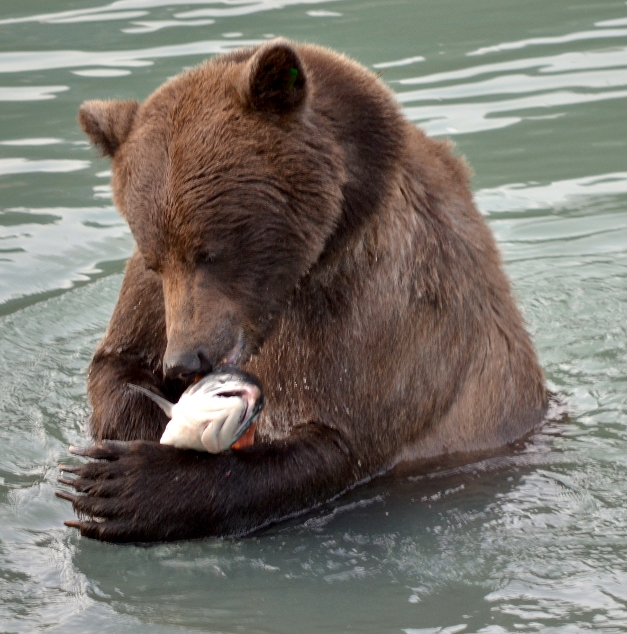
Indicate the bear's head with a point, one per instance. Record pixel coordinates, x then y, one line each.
231 184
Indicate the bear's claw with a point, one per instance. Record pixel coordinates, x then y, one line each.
108 450
66 496
66 468
114 494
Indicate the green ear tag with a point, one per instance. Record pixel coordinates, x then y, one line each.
293 76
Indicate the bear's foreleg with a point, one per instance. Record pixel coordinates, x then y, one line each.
144 491
131 352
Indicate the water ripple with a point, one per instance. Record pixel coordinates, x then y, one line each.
27 61
438 119
563 62
32 142
39 255
30 93
519 197
123 8
93 17
151 26
520 83
25 166
589 75
562 39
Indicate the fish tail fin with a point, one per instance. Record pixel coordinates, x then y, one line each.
165 405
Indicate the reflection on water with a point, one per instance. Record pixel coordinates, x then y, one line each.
112 11
528 540
551 75
558 195
37 61
563 39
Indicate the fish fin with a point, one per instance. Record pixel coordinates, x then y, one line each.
164 404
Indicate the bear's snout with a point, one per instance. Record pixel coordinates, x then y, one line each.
188 356
186 364
203 326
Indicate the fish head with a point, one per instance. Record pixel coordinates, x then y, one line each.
226 382
215 412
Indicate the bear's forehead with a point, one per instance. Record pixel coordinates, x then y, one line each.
195 157
203 97
198 118
200 162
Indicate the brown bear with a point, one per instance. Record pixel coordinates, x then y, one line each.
289 220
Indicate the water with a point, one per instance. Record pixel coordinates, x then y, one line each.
535 95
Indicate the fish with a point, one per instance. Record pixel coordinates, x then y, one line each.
215 414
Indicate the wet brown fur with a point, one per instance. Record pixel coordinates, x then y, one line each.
301 215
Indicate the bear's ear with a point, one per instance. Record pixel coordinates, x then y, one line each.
274 79
107 123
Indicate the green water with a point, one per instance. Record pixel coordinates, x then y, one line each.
535 95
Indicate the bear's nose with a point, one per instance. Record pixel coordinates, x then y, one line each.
186 364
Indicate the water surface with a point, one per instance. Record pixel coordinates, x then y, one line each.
535 95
